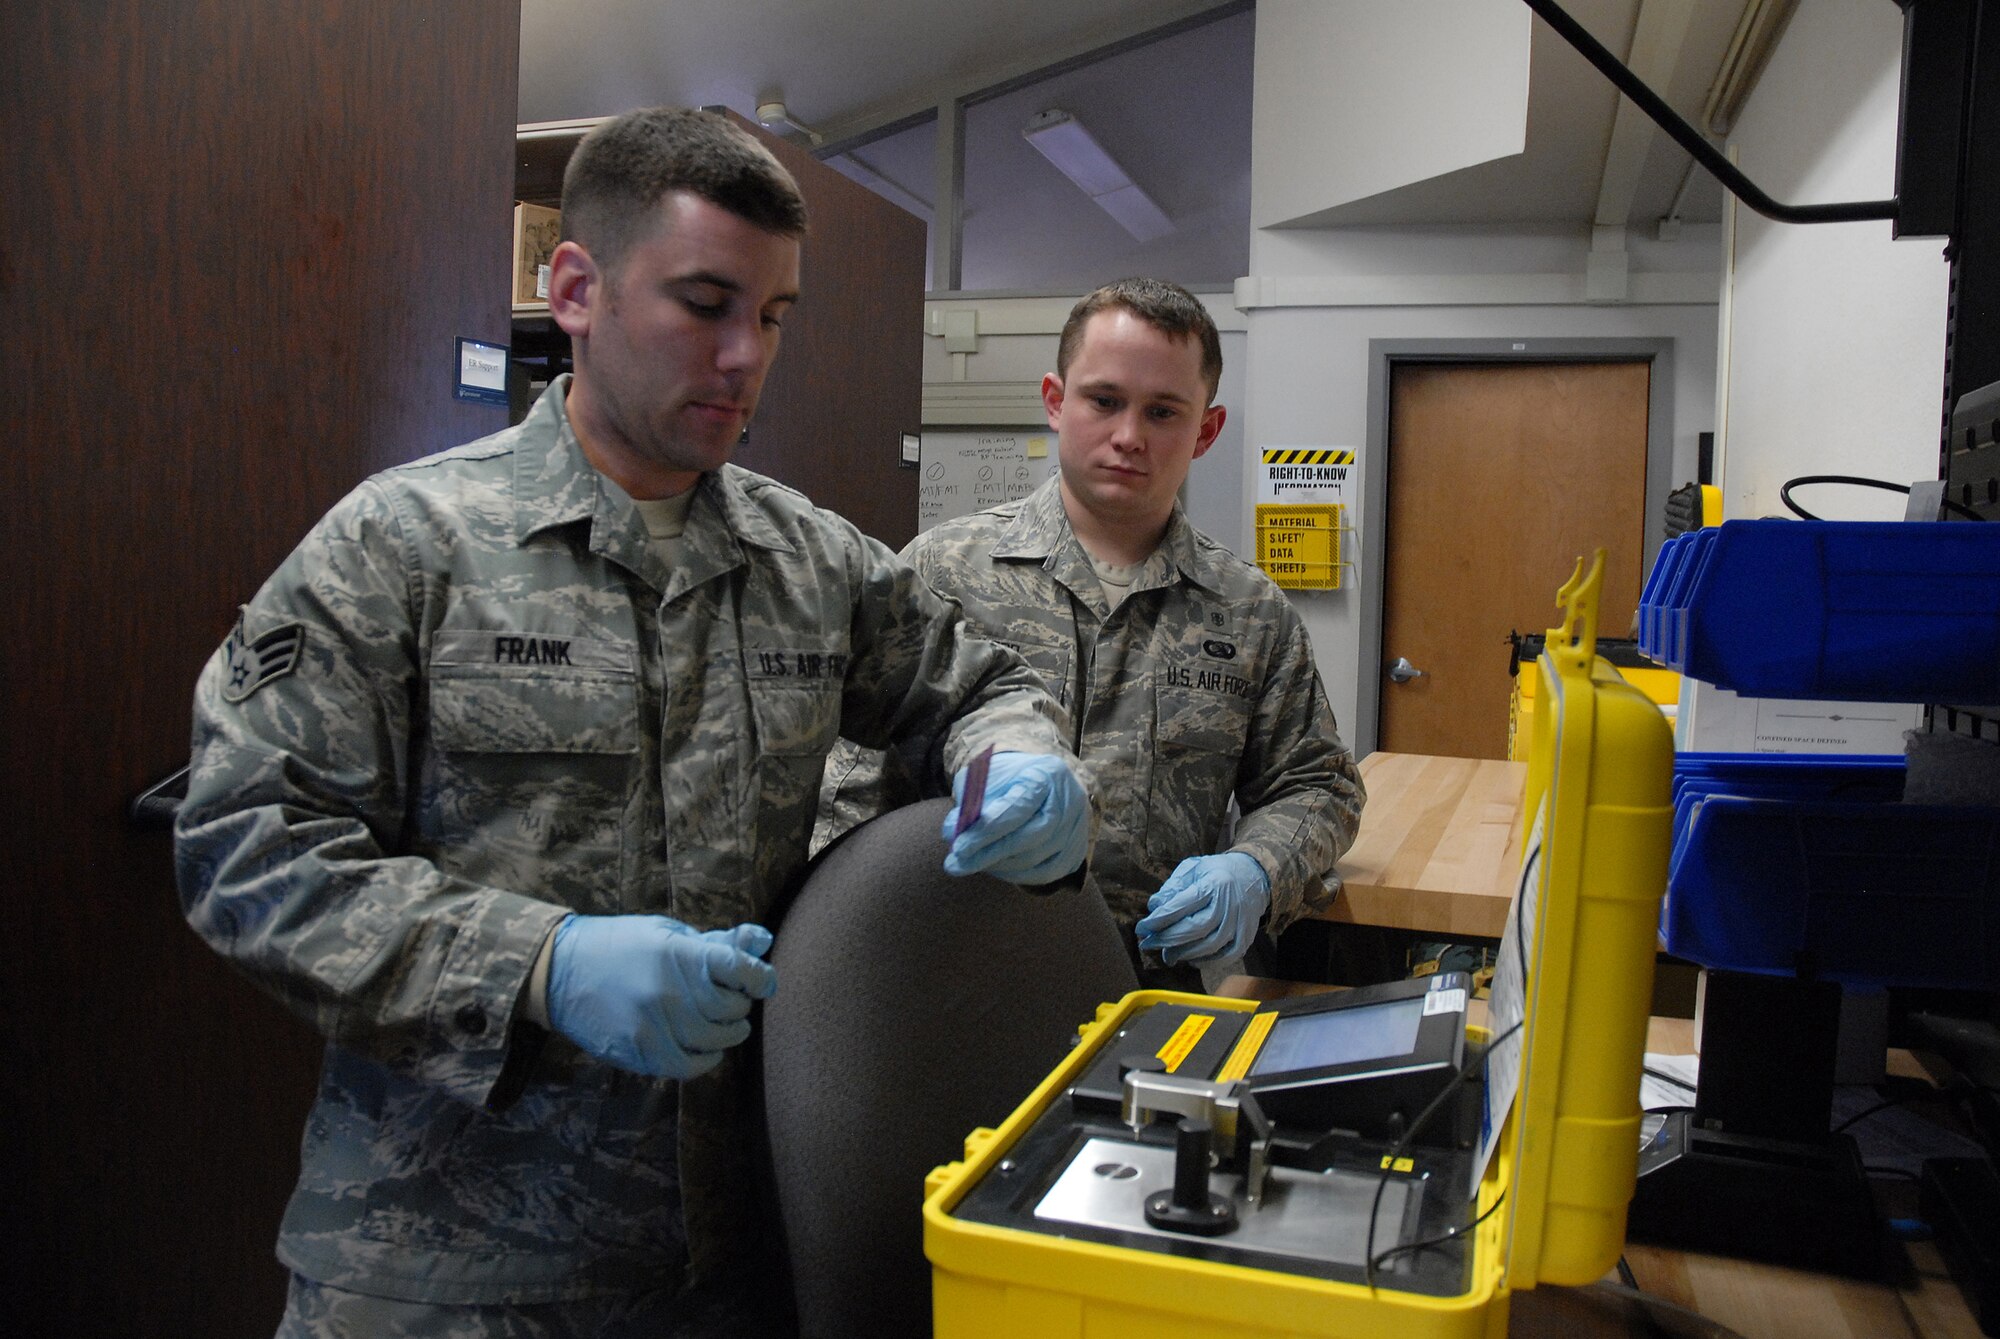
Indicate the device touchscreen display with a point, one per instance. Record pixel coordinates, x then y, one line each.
1341 1036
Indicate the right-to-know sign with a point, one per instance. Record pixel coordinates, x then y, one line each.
1298 476
1299 546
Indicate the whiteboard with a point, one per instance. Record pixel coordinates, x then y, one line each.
963 470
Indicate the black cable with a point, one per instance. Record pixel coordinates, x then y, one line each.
1685 135
1626 1276
1785 493
1369 1258
1397 1149
1879 1107
1948 1092
1444 1238
1665 1077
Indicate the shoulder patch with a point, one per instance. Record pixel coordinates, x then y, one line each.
252 664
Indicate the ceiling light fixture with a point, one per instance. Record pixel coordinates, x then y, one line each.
773 117
1062 140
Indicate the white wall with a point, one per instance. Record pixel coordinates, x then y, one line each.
1833 334
1403 102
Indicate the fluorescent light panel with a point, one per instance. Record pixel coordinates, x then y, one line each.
1062 140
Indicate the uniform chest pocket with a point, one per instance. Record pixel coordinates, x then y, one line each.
593 713
1051 662
1198 739
795 720
1213 721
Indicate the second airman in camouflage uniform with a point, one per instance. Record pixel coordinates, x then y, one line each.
1187 675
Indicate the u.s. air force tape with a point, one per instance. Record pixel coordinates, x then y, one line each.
254 663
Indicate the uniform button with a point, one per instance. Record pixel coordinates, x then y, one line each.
471 1019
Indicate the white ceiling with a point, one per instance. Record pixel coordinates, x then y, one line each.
837 63
849 68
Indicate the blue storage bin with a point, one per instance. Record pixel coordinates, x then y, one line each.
1851 776
1652 597
1673 620
1784 864
1814 778
1763 765
1665 591
1849 610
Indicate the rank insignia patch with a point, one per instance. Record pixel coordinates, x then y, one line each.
254 664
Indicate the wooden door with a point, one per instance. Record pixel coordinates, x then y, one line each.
236 244
1501 475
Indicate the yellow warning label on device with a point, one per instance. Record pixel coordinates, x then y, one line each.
1185 1036
1247 1047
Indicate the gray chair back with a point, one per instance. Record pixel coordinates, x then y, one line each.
912 1007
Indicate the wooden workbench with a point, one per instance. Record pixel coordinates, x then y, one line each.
1439 849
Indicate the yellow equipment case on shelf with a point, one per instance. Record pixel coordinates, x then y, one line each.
1302 1191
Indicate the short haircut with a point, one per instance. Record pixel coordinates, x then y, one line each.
624 167
1168 308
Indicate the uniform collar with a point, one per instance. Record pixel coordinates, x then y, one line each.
1190 553
1040 532
555 484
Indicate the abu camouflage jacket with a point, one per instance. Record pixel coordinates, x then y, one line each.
472 701
1200 686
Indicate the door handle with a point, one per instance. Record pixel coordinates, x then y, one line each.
1403 671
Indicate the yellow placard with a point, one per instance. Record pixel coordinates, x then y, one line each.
1184 1038
1299 546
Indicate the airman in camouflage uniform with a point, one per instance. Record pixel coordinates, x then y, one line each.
1197 686
478 699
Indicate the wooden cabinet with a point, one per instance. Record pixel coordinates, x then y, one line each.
239 245
539 350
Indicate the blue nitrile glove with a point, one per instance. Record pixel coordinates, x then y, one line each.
1208 910
1033 826
654 996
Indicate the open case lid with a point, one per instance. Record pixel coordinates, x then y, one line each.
1576 969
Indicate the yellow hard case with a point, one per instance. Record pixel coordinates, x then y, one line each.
1663 686
1598 783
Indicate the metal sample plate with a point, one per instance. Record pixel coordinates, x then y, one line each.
1305 1215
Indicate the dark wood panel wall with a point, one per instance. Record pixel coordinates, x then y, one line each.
236 242
849 376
